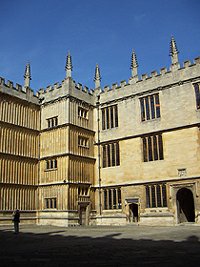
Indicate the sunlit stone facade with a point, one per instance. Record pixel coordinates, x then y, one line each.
126 154
19 152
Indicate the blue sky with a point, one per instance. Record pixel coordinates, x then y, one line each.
94 31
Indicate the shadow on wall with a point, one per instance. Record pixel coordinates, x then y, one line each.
53 249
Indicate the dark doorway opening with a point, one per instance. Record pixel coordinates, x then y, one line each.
82 215
133 208
185 205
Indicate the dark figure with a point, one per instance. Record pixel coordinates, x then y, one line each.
16 220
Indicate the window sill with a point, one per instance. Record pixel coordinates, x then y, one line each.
52 127
152 120
105 130
111 210
50 209
110 167
154 161
86 147
157 210
50 170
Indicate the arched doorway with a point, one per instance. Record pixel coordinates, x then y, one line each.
82 215
133 208
185 205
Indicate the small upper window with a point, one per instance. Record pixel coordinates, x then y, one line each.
52 122
51 164
82 112
51 203
83 191
83 141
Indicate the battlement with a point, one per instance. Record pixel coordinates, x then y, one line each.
17 90
67 87
115 86
157 79
58 86
10 85
136 84
82 88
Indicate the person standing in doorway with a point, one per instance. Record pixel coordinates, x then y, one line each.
16 220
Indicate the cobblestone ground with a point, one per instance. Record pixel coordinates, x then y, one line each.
100 246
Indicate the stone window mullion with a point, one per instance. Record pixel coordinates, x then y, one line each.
150 195
109 115
161 195
107 193
117 201
156 196
114 118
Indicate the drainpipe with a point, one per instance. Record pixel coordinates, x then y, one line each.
99 151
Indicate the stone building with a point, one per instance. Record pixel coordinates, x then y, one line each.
124 154
19 149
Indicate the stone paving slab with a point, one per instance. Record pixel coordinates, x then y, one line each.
130 245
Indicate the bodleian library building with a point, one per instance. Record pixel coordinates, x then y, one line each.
118 155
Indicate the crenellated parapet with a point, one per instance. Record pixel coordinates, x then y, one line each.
137 84
67 88
115 86
175 74
165 77
17 90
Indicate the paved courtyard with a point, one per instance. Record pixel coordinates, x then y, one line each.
100 246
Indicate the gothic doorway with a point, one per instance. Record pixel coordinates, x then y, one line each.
133 208
185 205
84 210
82 215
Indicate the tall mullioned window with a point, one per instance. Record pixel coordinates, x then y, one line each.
109 117
152 147
52 122
197 94
156 196
111 155
112 199
150 107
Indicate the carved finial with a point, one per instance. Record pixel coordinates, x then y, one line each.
173 51
97 77
27 75
134 64
68 66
